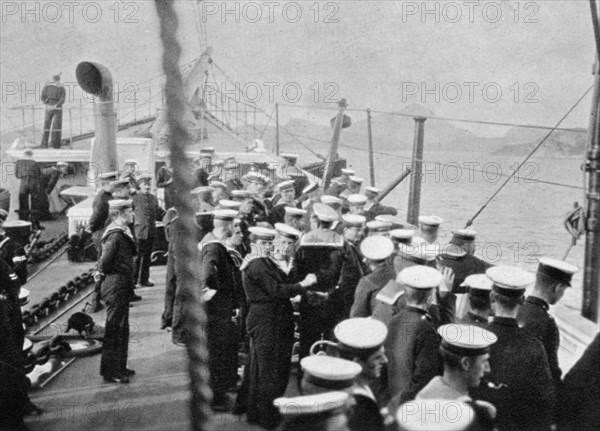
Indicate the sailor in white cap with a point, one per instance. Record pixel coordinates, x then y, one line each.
218 283
520 384
231 176
429 227
147 213
362 340
324 373
413 343
313 194
340 184
295 217
226 204
354 185
321 252
336 204
463 265
436 415
377 251
203 196
408 255
116 265
220 191
379 228
201 168
479 287
256 183
373 207
465 352
356 203
326 411
285 198
269 283
401 236
553 277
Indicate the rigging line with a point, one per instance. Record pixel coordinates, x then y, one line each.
525 180
594 10
470 221
268 121
435 117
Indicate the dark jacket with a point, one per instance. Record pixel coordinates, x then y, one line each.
524 393
217 273
117 263
367 289
353 269
54 93
463 267
28 171
99 211
412 347
14 255
536 319
147 212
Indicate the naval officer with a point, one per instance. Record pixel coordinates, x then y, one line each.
520 384
553 277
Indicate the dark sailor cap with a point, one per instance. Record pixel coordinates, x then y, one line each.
325 213
376 247
287 231
262 233
420 277
120 204
223 214
208 150
509 281
557 269
330 372
360 335
466 340
435 415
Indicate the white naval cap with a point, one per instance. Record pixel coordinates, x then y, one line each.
255 177
373 190
263 233
120 204
285 185
360 334
379 226
295 212
348 172
431 220
357 199
376 247
218 184
510 280
452 252
325 213
312 405
478 284
398 222
420 277
224 214
435 415
202 190
287 231
464 234
144 177
466 340
557 269
357 180
354 220
331 200
230 205
330 372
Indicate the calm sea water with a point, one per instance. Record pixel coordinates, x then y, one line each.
523 222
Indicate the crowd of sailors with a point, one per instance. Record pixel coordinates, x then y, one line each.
392 330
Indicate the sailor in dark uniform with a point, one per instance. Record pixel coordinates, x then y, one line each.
429 227
401 236
553 277
288 194
28 171
12 252
340 184
270 281
377 250
336 204
164 180
231 176
218 284
413 342
294 217
171 278
355 204
219 191
519 385
321 253
204 208
362 340
354 185
353 268
321 412
373 208
478 297
323 373
579 395
202 166
466 265
147 213
117 266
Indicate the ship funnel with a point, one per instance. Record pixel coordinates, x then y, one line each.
96 80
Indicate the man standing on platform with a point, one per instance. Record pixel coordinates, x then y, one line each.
117 267
28 171
53 96
147 212
218 284
553 277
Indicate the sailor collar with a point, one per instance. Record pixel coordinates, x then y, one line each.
424 313
506 321
113 227
538 302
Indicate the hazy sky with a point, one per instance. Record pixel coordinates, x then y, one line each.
479 60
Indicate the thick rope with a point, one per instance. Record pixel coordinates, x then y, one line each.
186 252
